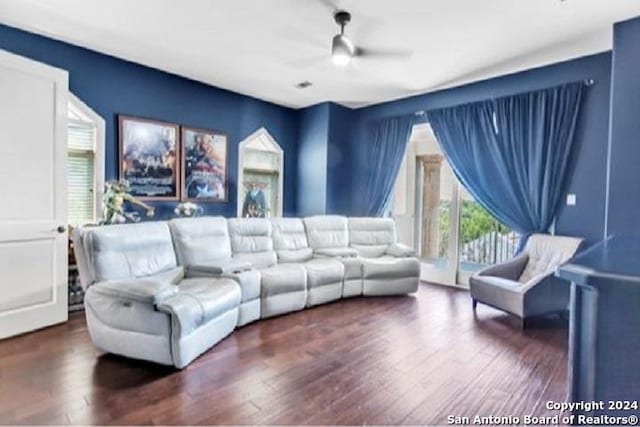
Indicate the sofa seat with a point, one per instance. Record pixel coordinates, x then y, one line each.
352 282
200 300
324 280
249 282
203 312
283 288
377 273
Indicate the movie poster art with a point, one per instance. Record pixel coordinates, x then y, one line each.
259 195
149 158
204 165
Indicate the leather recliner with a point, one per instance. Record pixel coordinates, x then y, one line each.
168 291
140 304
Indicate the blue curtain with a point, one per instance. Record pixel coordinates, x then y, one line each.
388 141
512 153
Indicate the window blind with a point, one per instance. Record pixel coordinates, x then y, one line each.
81 173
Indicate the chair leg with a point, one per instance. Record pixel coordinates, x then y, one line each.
474 303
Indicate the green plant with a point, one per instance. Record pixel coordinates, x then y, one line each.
475 222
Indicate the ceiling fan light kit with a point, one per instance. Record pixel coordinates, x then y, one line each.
342 50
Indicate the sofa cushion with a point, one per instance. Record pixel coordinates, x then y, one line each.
129 250
283 278
251 241
324 271
546 253
390 268
327 231
371 236
201 300
201 241
290 240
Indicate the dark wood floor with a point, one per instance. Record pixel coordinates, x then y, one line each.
403 360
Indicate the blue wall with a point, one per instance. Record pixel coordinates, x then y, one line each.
338 158
624 173
588 171
112 86
313 133
323 162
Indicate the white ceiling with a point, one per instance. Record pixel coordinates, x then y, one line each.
263 48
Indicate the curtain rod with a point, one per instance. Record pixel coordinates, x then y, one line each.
587 82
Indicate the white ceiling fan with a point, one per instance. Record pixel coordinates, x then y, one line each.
343 50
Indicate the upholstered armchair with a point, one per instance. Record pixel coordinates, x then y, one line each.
525 286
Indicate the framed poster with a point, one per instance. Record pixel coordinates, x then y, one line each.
204 165
149 157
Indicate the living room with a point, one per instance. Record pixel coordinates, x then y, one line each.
319 212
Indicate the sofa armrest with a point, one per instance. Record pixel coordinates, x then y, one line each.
140 290
511 269
400 250
336 252
228 267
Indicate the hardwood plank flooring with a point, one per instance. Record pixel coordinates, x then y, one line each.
397 360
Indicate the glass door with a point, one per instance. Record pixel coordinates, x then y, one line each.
483 239
437 214
452 233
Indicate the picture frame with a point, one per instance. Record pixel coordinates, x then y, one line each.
149 157
205 165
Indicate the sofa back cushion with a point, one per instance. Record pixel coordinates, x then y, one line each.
371 236
327 231
201 241
251 241
290 240
547 252
125 251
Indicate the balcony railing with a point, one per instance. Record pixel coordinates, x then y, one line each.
483 239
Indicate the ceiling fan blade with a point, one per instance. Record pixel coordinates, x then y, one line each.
308 62
329 4
291 34
393 54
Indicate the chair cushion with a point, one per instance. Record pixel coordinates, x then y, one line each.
501 293
283 278
324 271
546 253
327 231
129 250
201 241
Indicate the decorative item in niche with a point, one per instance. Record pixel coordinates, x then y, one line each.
188 210
260 194
205 165
148 157
116 194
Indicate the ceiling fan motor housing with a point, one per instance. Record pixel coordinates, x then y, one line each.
342 18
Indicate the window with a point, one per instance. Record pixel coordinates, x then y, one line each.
260 176
85 163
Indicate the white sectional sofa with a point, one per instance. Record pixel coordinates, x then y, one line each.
168 291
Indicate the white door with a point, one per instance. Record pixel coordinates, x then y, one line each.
33 237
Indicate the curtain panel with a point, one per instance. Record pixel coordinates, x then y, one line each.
512 153
388 140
